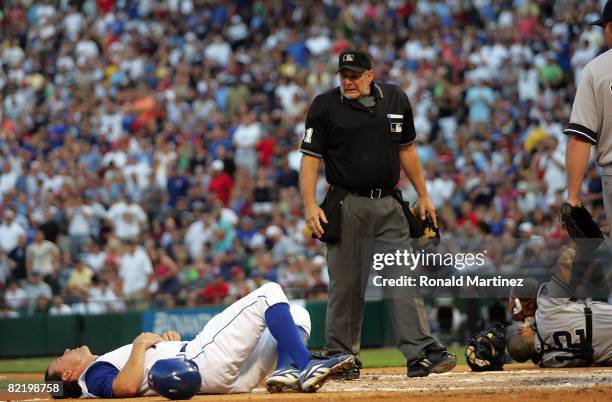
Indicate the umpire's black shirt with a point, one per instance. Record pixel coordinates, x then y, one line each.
360 145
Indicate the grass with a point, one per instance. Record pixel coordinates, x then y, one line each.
387 357
391 357
25 365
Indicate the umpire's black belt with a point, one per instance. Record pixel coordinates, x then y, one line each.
372 192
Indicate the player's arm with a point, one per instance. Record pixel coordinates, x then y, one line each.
582 131
577 160
127 382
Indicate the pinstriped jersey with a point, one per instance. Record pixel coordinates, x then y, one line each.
591 116
561 324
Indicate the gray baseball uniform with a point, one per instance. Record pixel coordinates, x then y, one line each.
592 110
571 333
591 118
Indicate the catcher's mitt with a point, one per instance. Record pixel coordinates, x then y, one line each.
485 350
521 309
579 224
523 300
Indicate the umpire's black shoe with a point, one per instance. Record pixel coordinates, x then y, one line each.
435 361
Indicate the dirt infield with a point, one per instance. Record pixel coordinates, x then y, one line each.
515 383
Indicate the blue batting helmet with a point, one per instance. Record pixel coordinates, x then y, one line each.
175 378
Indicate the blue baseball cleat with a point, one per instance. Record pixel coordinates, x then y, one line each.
317 371
284 380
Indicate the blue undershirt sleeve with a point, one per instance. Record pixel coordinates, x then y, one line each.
99 379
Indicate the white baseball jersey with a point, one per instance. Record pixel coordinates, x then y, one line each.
563 331
591 116
234 351
119 358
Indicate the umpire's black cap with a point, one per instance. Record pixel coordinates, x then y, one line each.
606 16
355 60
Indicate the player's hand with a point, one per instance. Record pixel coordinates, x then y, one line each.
313 215
426 208
171 336
574 201
147 339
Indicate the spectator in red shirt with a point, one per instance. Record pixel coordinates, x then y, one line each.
216 291
265 148
467 214
221 183
106 5
527 24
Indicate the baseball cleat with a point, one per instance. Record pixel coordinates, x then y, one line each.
283 380
348 375
434 361
317 371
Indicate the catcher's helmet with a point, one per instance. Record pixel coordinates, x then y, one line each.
175 378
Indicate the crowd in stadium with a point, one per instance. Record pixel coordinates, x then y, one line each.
149 149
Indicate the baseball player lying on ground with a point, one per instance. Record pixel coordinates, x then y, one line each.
562 332
234 351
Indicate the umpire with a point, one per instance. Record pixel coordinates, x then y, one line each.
591 121
364 132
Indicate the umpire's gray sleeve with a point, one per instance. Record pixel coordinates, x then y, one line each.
584 121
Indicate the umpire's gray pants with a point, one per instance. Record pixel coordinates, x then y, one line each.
383 220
